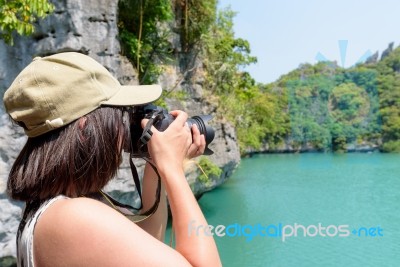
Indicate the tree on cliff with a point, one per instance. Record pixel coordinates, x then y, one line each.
20 16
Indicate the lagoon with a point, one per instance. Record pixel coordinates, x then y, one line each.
309 210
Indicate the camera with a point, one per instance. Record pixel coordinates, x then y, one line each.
161 119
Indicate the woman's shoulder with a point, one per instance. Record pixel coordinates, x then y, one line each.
72 230
69 226
83 207
86 232
72 212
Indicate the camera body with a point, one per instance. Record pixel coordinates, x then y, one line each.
161 119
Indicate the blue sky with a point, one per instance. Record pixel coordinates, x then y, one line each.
286 33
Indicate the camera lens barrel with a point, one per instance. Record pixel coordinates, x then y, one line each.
202 125
201 122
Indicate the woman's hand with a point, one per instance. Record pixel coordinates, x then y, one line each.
170 147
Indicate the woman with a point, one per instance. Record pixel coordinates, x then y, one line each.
76 117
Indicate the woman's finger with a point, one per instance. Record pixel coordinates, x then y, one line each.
198 143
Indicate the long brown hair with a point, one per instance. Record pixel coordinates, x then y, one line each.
75 160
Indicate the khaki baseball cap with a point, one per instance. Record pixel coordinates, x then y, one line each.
55 90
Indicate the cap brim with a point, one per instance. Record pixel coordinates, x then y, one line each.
130 95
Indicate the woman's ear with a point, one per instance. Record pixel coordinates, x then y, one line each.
82 126
82 123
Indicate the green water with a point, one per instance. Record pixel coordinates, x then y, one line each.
357 190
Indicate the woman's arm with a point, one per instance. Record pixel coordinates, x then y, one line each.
168 150
156 224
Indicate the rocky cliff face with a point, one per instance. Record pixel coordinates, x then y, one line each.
90 27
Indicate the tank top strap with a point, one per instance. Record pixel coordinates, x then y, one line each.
31 215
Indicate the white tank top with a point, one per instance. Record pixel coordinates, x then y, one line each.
26 228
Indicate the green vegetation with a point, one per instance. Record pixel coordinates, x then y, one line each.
144 37
208 169
330 107
19 16
389 100
196 19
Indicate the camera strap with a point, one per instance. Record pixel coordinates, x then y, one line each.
125 209
147 133
129 211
